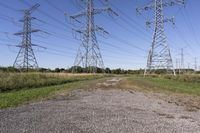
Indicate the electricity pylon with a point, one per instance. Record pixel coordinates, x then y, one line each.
89 55
159 55
195 64
180 63
182 60
26 57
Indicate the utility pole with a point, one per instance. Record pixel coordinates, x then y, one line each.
178 65
160 55
26 57
182 63
182 60
195 64
89 55
188 66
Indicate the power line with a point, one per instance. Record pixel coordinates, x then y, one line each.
52 5
117 38
190 26
46 14
184 40
130 20
8 7
127 43
120 49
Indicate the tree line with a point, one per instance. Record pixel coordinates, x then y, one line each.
74 70
79 69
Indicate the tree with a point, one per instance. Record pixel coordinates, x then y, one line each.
107 70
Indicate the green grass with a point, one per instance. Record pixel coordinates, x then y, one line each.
190 78
164 84
15 98
19 81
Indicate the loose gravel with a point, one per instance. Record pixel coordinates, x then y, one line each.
101 110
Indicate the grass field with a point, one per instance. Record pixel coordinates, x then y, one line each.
18 81
20 88
188 84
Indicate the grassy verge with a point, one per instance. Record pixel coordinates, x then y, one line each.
15 98
19 81
163 84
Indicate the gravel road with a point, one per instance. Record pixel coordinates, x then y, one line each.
104 109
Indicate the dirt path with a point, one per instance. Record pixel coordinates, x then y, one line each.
103 109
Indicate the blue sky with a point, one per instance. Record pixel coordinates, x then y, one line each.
126 47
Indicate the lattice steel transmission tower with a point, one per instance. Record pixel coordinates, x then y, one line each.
159 57
195 64
89 55
182 60
26 57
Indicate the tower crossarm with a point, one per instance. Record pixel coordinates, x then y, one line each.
38 46
97 28
27 32
32 9
29 18
148 23
101 29
95 11
164 4
78 15
20 46
106 9
78 31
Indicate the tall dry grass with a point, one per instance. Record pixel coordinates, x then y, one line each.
17 81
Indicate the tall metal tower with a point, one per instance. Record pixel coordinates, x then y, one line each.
182 60
159 55
178 66
195 64
89 55
26 57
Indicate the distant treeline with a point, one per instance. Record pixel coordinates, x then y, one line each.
79 69
74 70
